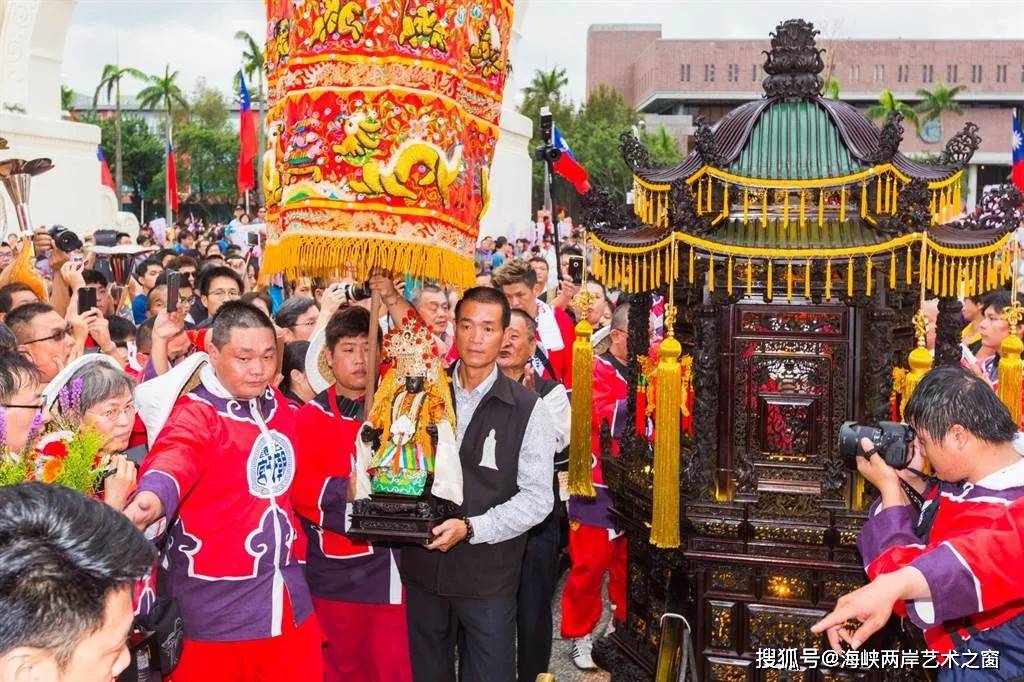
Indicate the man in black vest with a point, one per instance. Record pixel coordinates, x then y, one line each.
540 562
467 578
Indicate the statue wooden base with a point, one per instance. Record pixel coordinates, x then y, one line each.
399 518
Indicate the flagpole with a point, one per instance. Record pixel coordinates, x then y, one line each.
247 201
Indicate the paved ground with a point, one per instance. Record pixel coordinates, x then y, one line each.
561 653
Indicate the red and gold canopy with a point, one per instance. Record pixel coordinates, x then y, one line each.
382 124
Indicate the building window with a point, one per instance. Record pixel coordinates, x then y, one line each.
854 73
1022 73
951 75
927 73
976 73
754 73
879 73
684 73
1000 73
734 73
709 73
903 74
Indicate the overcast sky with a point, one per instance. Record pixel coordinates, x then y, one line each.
196 36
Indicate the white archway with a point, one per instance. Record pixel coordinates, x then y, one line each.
32 36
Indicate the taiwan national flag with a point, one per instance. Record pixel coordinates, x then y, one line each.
247 135
172 178
1017 149
105 177
568 167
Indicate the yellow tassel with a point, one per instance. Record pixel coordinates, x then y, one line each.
770 269
821 207
690 275
944 288
789 281
581 481
728 276
807 280
863 200
725 200
920 362
803 207
750 279
657 270
869 265
932 208
895 196
828 279
849 277
764 209
668 387
711 273
892 270
842 204
785 209
1010 372
700 197
910 265
878 196
710 195
746 205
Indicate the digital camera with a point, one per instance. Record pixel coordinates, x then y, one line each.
891 439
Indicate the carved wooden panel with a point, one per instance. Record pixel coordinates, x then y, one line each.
728 670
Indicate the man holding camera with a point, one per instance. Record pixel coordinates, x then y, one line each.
951 564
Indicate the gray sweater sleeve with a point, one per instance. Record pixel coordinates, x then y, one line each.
535 498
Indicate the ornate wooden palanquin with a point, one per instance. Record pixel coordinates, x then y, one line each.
796 242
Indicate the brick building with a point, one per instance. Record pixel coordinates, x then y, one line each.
670 81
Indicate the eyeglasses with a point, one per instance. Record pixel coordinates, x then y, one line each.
39 406
221 293
113 413
186 300
57 336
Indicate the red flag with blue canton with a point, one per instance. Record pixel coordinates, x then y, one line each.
105 177
1017 149
247 135
172 178
568 167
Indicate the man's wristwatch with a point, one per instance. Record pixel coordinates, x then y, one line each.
469 528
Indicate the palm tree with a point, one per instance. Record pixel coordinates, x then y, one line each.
163 91
111 80
546 86
938 101
888 104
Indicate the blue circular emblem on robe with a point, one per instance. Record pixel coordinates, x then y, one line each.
271 465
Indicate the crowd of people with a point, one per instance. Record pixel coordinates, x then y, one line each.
230 409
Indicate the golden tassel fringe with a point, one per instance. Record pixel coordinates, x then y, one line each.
1010 374
665 513
581 480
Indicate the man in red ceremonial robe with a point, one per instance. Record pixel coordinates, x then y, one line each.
220 474
357 592
595 546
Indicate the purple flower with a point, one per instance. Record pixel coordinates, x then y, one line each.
3 427
37 426
76 393
64 399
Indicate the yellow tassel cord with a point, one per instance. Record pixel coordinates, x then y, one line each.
828 279
581 481
728 276
725 201
789 281
711 273
920 362
895 196
750 279
932 208
863 200
910 266
690 276
700 198
803 207
665 512
842 204
849 277
746 205
807 280
1010 374
868 266
770 273
322 253
821 207
785 209
764 209
878 196
892 270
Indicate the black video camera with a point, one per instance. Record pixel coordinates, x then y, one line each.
64 239
891 440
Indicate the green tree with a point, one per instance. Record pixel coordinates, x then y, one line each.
887 104
938 101
163 91
545 90
143 152
546 86
67 100
212 161
209 105
831 88
110 81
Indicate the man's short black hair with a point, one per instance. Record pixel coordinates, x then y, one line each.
61 555
120 330
954 395
140 269
207 275
291 310
237 315
347 323
7 292
500 242
486 296
122 235
998 300
94 277
20 319
531 324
